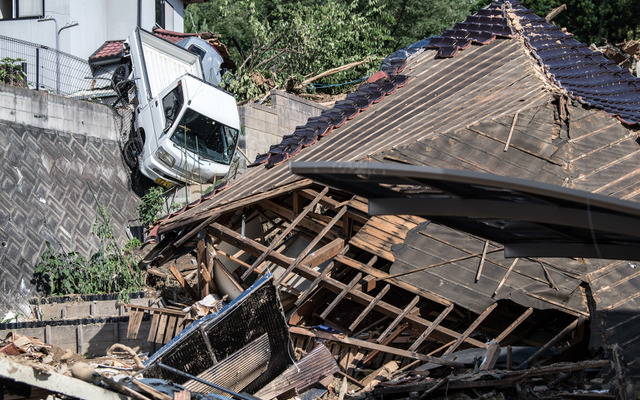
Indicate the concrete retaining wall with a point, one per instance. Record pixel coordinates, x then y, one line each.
54 152
264 125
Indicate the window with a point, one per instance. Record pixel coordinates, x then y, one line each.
13 9
164 14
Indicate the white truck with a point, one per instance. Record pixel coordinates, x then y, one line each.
185 130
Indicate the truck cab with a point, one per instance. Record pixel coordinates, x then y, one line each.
186 129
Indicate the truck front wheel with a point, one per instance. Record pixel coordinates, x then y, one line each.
133 150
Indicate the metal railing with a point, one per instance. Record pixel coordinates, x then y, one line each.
62 73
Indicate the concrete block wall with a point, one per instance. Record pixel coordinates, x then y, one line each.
55 151
264 125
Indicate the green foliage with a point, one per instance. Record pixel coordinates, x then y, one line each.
151 206
107 271
11 72
133 243
594 21
287 41
61 273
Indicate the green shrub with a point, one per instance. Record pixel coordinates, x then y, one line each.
151 205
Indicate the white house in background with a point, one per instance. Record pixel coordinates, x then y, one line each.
82 26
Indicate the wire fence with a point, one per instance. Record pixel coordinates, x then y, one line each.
60 73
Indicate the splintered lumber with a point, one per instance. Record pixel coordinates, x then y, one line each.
339 297
312 244
398 319
151 390
324 253
431 327
187 288
493 352
135 319
388 339
380 275
514 325
284 233
484 256
471 328
504 278
373 346
304 295
232 237
383 373
574 324
369 307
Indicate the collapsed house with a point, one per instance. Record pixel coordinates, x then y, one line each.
421 301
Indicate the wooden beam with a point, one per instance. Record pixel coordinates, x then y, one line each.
471 328
203 213
312 244
484 256
373 346
340 296
574 324
388 339
304 295
398 319
253 247
440 264
249 245
187 288
504 278
324 253
431 327
369 307
285 232
514 325
493 352
307 223
384 276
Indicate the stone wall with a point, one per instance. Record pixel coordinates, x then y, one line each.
265 125
56 153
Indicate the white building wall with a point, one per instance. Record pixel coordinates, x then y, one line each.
98 21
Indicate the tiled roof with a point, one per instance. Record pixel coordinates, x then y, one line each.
109 49
173 37
113 48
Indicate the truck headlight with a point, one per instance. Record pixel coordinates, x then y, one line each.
165 157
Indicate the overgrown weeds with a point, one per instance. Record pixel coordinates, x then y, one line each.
110 270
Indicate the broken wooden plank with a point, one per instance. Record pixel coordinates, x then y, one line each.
324 253
441 263
471 328
135 319
514 325
493 352
431 327
312 244
304 295
341 295
187 288
380 275
388 339
373 346
369 307
484 256
284 233
504 278
574 324
234 238
398 319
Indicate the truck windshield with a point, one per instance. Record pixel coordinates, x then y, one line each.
206 137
